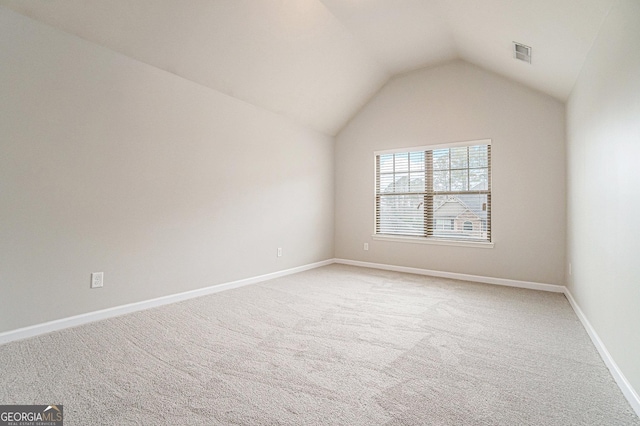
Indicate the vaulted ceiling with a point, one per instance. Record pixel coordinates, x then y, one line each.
318 61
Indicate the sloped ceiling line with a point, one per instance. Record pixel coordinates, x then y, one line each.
318 61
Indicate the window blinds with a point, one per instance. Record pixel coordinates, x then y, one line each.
442 192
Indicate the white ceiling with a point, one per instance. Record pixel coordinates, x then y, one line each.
318 61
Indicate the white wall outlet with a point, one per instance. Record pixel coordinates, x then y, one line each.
97 279
366 246
570 272
279 251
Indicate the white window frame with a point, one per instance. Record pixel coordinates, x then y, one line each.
434 239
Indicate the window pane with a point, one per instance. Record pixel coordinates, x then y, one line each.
402 162
401 215
402 182
478 156
441 180
386 183
459 180
441 159
478 179
386 163
416 182
463 217
416 161
445 210
459 158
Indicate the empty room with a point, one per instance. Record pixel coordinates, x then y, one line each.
319 212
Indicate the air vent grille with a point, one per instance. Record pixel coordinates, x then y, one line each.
522 52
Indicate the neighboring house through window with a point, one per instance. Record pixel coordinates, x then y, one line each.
437 192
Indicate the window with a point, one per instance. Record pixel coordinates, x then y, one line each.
440 192
444 224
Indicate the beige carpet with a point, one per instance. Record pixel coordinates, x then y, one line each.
334 345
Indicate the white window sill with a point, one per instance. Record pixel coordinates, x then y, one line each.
433 241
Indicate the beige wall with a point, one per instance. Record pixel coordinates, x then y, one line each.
108 164
603 126
458 102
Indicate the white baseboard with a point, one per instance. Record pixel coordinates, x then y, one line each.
621 380
455 276
48 327
31 331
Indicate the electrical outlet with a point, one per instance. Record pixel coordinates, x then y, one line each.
366 246
279 251
570 272
97 279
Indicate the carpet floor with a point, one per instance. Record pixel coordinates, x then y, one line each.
334 345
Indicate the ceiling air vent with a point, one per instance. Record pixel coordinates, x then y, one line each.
522 52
